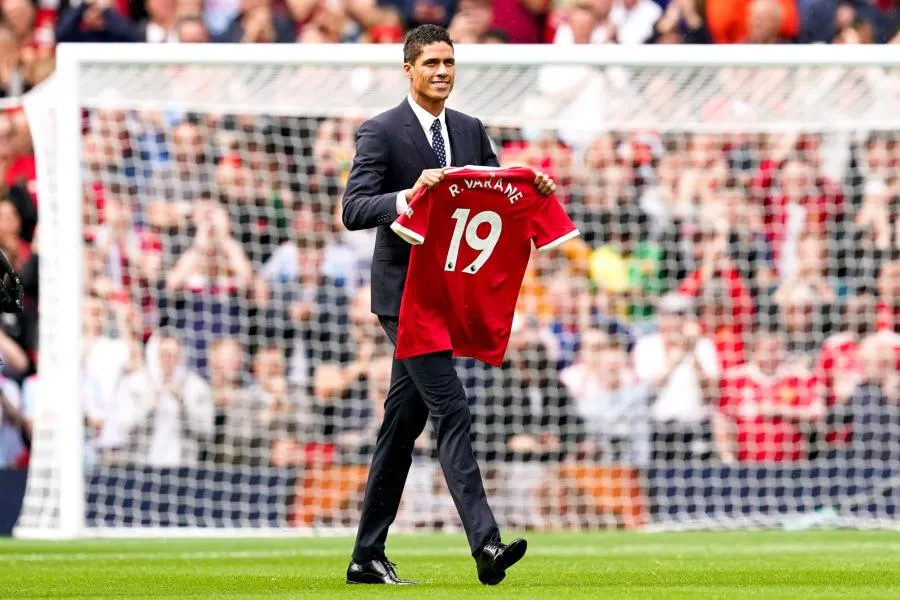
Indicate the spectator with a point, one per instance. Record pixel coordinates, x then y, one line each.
12 80
167 409
748 249
161 20
872 162
532 418
710 243
108 355
315 307
190 30
888 308
94 21
339 378
257 205
628 264
740 21
284 413
356 443
472 20
309 233
571 302
327 25
661 198
19 170
803 325
634 20
173 187
765 21
387 27
212 287
837 367
218 14
522 21
494 36
683 22
875 234
825 20
715 310
586 22
229 381
131 255
811 271
874 407
19 15
860 31
769 404
258 23
258 415
683 370
613 405
215 258
16 250
15 426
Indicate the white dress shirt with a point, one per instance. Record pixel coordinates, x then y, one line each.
425 120
681 398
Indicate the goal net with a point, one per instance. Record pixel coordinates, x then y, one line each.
719 348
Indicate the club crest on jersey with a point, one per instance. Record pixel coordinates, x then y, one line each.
409 212
512 192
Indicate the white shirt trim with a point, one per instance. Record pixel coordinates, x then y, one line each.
560 240
407 234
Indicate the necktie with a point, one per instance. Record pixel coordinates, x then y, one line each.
437 143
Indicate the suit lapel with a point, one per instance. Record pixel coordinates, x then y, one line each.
453 134
417 136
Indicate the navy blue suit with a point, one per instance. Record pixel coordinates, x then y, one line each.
392 150
391 153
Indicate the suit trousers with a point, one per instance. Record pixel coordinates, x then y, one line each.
423 386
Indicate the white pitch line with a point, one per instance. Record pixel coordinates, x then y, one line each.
577 551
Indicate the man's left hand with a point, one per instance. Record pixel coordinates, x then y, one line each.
544 184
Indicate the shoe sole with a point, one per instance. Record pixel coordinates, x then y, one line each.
378 583
513 554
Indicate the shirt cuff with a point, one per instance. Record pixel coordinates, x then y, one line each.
401 202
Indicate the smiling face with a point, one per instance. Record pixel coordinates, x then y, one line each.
431 76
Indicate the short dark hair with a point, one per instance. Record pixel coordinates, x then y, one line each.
423 35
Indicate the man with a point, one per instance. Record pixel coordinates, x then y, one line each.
398 153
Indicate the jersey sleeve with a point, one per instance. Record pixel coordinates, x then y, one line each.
550 225
412 225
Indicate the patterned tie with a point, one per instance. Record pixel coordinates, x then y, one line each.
437 143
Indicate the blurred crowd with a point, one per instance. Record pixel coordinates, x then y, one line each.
733 297
29 30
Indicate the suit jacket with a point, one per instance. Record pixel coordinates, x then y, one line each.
391 153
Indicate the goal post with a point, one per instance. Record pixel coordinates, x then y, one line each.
269 130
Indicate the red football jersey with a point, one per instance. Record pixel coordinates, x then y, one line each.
472 235
761 437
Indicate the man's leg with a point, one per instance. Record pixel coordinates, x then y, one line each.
405 416
436 379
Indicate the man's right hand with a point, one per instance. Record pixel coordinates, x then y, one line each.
429 178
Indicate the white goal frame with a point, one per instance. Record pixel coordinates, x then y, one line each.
61 219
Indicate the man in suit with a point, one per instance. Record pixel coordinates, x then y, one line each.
398 153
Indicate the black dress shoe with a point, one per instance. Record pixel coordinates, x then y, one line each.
495 558
374 571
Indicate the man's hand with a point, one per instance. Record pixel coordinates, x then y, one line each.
429 178
544 184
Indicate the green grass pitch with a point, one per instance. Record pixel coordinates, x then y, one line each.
770 565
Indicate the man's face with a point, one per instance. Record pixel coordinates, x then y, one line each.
169 355
769 352
192 33
582 20
432 75
270 363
